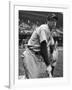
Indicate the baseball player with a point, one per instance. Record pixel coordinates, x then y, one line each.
36 58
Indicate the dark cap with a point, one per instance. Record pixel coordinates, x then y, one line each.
52 17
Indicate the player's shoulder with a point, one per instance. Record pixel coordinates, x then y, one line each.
44 26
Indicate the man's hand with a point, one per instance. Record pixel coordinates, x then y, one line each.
49 69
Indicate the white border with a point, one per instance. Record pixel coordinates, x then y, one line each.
14 7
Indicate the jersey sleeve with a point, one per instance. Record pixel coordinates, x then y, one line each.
42 36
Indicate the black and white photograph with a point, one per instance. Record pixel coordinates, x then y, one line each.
36 45
40 44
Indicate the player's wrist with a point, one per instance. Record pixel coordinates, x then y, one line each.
49 68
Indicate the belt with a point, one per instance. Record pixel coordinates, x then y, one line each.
36 52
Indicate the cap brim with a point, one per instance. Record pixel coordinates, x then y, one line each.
52 18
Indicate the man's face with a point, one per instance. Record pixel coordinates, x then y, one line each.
52 24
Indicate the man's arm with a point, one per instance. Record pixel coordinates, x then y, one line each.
44 52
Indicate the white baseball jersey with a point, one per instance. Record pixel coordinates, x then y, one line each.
40 34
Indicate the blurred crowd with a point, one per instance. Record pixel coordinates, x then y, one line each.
26 29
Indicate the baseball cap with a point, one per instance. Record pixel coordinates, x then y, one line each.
52 17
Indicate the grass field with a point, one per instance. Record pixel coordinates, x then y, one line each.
58 72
